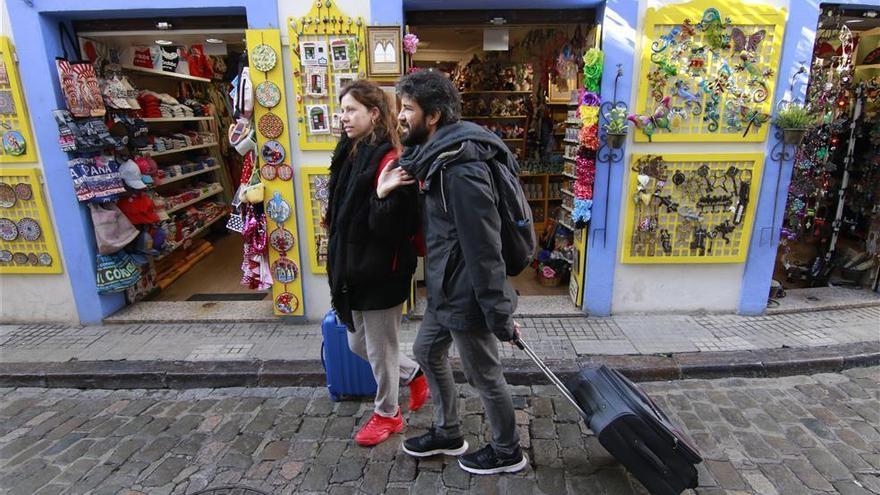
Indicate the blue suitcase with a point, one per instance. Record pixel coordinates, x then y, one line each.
347 373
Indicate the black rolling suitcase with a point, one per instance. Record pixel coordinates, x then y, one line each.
630 427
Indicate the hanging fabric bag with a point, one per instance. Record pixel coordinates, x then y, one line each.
79 83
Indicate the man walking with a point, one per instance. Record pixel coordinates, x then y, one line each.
470 301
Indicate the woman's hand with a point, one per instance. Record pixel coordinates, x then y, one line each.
392 178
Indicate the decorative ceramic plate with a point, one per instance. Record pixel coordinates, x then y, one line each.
268 94
281 240
20 258
272 152
33 259
263 57
7 195
277 209
5 256
268 172
285 172
270 125
287 303
284 270
45 259
14 143
29 229
24 191
8 230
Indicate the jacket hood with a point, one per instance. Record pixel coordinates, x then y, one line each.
460 142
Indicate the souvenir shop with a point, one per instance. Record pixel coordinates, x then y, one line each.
145 130
521 75
831 222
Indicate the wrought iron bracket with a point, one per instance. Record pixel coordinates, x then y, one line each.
608 154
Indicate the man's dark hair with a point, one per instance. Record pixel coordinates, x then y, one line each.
434 92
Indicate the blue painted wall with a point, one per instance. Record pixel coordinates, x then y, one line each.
35 31
800 35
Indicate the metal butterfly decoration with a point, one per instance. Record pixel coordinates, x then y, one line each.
657 120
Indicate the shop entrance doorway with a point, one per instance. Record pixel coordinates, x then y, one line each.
830 243
518 73
167 94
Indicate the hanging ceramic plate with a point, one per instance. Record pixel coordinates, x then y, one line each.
24 191
277 209
20 258
263 57
285 172
281 240
268 94
45 259
8 230
287 303
7 195
272 152
33 260
284 270
270 125
268 172
14 143
29 229
5 256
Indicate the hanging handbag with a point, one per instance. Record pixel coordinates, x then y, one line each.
78 80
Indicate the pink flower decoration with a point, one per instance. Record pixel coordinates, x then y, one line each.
548 272
410 43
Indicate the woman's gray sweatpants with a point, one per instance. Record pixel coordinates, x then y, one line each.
478 348
375 340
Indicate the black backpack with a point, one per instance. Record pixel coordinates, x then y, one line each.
518 242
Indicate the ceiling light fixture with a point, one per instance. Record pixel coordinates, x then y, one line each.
164 42
214 40
498 21
163 25
853 21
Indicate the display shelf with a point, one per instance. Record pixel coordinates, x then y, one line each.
574 122
181 150
566 225
572 177
186 176
176 119
566 208
489 117
567 192
570 141
192 236
488 92
214 191
174 75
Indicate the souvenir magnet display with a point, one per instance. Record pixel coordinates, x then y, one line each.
268 172
270 125
278 210
287 303
23 191
45 259
285 172
20 258
14 143
284 270
281 240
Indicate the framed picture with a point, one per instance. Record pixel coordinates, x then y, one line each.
319 120
313 53
391 97
316 81
339 54
564 90
341 79
383 51
336 124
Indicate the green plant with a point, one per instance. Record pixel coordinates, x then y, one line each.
795 116
616 121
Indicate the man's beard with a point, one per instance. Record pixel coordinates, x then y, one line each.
414 134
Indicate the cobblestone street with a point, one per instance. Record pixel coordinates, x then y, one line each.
791 435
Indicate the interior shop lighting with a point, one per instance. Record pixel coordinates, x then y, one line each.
163 25
164 42
214 40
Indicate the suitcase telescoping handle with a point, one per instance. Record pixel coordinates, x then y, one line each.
552 376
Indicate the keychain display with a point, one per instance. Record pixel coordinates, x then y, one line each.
690 209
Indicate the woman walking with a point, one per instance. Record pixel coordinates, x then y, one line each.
372 216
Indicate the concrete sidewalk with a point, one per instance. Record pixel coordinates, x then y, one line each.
652 347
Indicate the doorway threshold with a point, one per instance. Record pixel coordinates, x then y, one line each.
823 299
195 312
528 306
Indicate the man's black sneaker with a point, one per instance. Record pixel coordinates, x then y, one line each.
429 444
486 461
